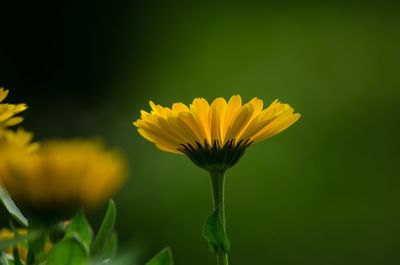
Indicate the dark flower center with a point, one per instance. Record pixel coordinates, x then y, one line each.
215 157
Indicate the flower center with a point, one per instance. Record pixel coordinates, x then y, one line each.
215 157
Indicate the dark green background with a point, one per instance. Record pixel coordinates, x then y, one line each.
324 192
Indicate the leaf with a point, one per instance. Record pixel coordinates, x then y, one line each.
110 251
125 259
11 207
215 234
111 246
100 246
36 244
3 259
69 251
164 257
80 225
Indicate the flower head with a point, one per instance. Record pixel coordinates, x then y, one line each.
8 111
62 176
216 135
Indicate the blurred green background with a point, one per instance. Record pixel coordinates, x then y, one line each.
326 191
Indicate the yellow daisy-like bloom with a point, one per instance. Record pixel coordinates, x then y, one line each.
215 135
62 176
8 111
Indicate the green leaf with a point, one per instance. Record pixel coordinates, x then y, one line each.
164 257
71 250
11 207
3 259
125 259
215 234
101 246
80 225
36 244
111 246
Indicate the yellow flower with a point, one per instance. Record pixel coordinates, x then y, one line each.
16 149
62 176
214 136
17 141
6 234
8 111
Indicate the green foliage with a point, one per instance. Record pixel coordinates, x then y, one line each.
77 243
79 225
74 244
215 234
3 259
71 250
164 257
104 244
110 247
11 207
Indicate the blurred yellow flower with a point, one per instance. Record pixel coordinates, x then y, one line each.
63 175
8 111
17 141
6 234
16 149
214 136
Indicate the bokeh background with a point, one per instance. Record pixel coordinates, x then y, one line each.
324 192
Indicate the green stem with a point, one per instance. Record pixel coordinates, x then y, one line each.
218 188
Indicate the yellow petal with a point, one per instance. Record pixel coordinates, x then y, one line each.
169 150
13 121
234 104
20 107
276 127
155 136
240 122
174 132
200 109
3 94
191 123
257 104
179 107
217 112
186 132
157 139
261 120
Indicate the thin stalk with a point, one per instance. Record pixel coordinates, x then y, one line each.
218 190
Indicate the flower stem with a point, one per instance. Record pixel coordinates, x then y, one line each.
218 189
